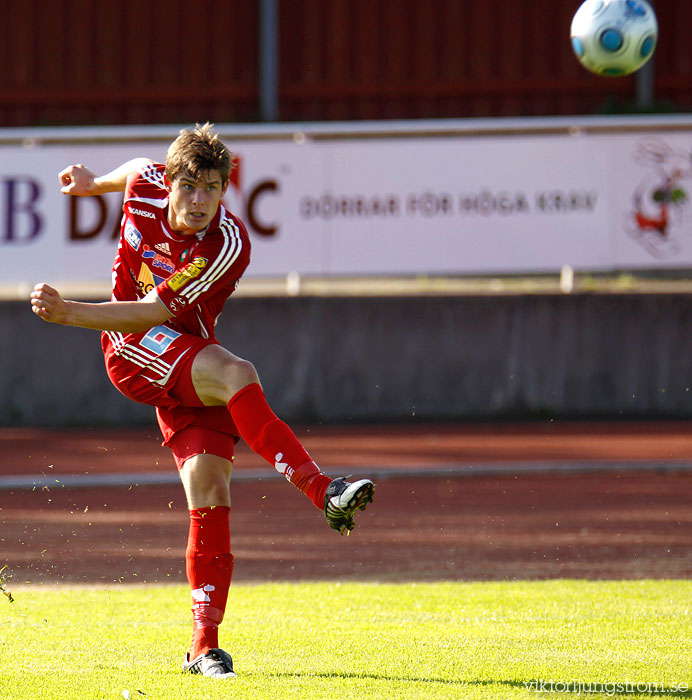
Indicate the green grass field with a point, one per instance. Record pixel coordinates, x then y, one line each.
356 641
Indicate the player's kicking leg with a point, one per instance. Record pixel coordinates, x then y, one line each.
271 438
219 377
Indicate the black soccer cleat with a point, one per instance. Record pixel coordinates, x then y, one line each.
216 663
343 499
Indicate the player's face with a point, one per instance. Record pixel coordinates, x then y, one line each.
192 203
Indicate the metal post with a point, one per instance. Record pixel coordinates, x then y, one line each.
268 60
644 81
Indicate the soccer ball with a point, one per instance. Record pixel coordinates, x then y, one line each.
614 37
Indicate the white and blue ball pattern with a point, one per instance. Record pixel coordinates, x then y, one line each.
614 37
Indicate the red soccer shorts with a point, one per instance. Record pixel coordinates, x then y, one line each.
155 368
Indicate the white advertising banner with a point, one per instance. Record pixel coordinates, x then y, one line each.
482 201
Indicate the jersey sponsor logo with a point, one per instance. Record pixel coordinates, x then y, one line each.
132 235
187 273
157 260
163 248
142 212
147 280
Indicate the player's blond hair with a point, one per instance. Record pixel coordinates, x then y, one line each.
196 151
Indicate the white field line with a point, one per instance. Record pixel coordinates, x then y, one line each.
518 468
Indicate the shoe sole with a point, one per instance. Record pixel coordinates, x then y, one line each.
363 496
358 501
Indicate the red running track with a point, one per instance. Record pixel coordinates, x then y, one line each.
440 511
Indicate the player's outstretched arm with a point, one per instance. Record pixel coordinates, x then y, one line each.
80 181
122 316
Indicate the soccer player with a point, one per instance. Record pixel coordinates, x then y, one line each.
180 255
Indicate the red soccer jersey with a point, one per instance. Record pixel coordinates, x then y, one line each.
191 275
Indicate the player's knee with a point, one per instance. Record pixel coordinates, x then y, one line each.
218 375
244 371
206 481
239 373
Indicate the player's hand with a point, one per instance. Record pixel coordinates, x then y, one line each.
77 180
47 304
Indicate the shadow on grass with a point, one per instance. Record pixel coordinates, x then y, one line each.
376 677
611 689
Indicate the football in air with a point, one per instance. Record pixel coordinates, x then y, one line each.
614 37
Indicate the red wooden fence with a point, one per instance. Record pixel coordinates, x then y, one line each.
172 61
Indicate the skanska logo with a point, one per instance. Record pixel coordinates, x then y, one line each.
141 212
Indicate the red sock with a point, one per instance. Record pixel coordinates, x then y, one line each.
273 440
209 567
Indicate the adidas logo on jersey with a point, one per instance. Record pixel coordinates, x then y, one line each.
163 248
141 212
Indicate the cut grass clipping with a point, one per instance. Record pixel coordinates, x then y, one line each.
356 641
